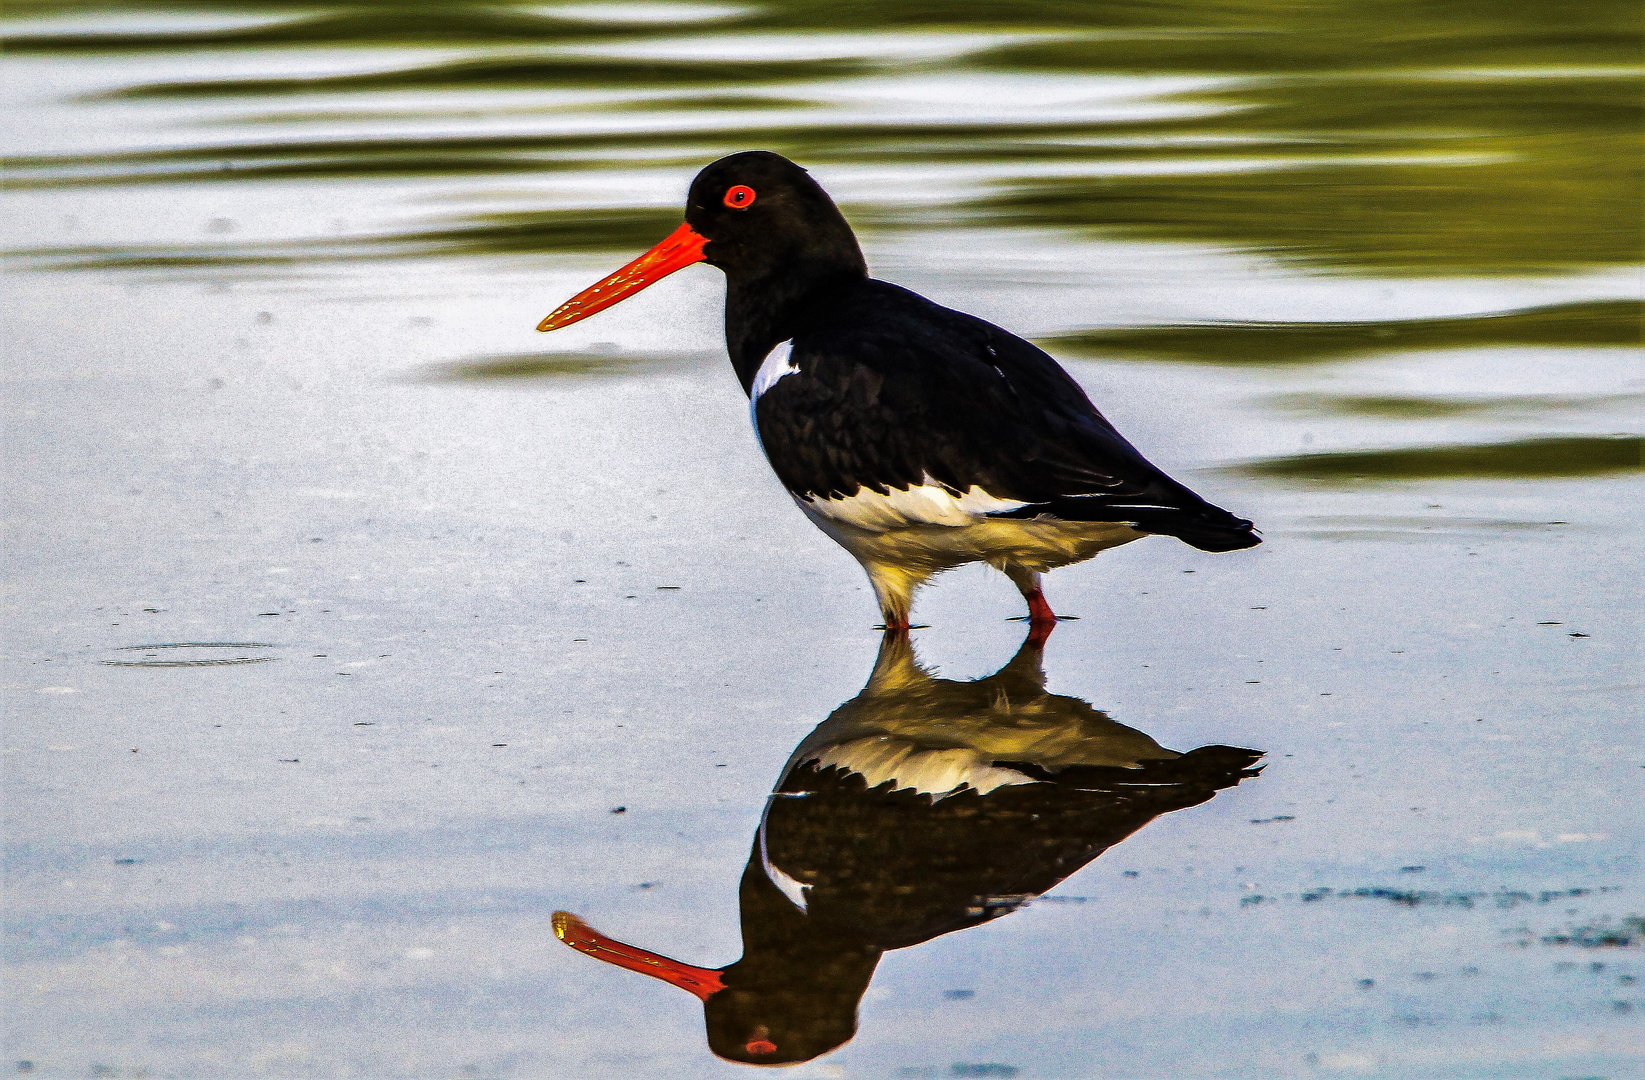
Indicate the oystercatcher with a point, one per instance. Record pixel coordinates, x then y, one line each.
920 807
917 437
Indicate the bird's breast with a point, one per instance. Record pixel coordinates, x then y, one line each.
927 503
803 426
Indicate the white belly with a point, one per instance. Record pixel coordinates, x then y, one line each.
928 503
1034 544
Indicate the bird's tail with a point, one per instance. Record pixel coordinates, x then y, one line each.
1168 509
1207 527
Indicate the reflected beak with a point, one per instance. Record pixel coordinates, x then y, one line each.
703 982
681 248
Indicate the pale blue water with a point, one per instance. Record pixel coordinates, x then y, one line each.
271 381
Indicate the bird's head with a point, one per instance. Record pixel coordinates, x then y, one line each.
755 215
767 1009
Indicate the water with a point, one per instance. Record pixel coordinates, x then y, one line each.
345 611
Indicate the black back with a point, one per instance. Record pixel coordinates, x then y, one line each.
896 389
899 391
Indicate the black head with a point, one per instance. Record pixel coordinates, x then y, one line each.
781 1024
783 244
765 217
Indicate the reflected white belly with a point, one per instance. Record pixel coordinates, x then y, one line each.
938 771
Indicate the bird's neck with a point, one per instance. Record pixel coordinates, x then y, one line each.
763 311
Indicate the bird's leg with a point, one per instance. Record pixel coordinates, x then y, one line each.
1028 583
1041 619
894 589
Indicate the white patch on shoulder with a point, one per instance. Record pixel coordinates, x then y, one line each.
882 758
785 884
925 503
776 366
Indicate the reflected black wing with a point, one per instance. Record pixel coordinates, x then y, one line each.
895 391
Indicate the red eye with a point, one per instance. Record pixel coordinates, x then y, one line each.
740 197
761 1047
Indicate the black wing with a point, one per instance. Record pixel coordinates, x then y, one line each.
894 389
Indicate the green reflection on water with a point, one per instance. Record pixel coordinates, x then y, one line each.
546 231
523 72
540 366
1526 459
528 232
655 103
857 142
1539 210
1592 323
1410 407
1230 32
390 25
1384 136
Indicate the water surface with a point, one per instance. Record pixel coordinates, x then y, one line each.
354 629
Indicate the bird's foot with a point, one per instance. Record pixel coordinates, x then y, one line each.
1040 618
901 627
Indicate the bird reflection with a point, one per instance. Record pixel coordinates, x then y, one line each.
919 807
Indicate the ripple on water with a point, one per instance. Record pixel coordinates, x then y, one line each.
195 656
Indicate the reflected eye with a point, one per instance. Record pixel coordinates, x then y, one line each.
740 197
761 1047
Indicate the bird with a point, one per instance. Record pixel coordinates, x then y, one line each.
921 807
917 437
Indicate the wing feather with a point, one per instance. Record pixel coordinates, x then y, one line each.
918 395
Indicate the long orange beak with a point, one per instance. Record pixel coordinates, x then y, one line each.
681 248
702 982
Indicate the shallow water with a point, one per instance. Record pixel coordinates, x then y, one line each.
345 612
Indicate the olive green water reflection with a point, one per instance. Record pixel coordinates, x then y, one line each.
1601 323
1574 455
528 366
1392 137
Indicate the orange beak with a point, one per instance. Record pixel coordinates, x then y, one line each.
681 248
703 982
